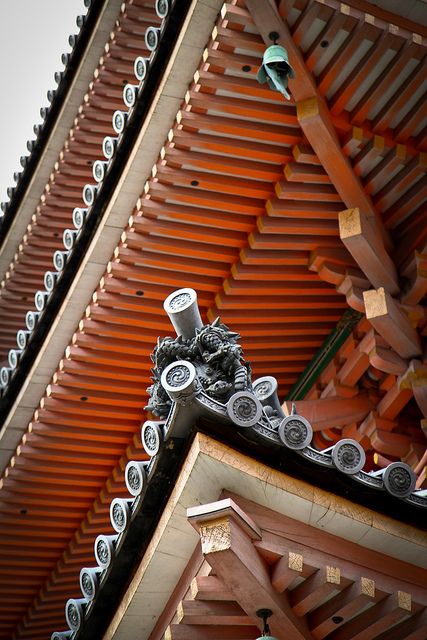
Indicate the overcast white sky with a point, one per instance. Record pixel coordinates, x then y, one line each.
34 36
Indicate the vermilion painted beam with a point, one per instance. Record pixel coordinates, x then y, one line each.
386 42
378 429
334 388
170 246
386 316
362 241
240 40
394 400
349 49
341 22
316 589
336 254
287 569
377 619
407 203
369 155
418 286
416 378
221 145
205 632
298 172
302 302
240 167
209 588
386 360
261 241
413 629
413 171
271 273
380 355
305 154
352 292
285 287
311 192
393 162
310 13
391 444
352 141
400 98
215 613
411 50
152 276
347 604
297 226
147 259
413 236
333 412
236 127
420 395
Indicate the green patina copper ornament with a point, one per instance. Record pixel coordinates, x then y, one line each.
276 70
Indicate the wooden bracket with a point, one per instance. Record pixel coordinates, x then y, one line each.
418 286
386 316
365 245
227 544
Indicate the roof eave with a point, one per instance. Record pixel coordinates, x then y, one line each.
59 119
137 154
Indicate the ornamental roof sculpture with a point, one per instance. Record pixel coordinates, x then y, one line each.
202 373
211 348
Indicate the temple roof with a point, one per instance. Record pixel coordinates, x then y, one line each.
281 214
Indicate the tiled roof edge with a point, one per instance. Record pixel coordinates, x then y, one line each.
254 412
79 43
95 196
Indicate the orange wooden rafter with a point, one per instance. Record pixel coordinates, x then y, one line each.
313 115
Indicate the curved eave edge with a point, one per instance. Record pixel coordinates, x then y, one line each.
174 437
11 208
130 133
200 379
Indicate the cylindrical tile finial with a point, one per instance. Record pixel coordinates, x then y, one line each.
183 311
265 389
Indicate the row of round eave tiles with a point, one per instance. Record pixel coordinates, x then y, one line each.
295 434
122 510
90 191
32 144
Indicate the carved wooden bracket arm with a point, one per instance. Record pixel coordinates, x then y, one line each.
227 535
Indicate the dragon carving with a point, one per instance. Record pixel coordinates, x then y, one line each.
218 359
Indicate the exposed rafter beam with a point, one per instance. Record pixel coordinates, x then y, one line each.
287 569
227 535
416 378
332 412
314 117
417 288
359 237
321 585
391 322
348 604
